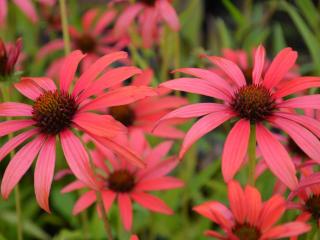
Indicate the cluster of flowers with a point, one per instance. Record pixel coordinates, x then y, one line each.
260 99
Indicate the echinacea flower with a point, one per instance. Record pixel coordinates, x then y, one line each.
120 180
92 39
142 115
252 104
149 14
55 112
26 6
248 217
9 55
308 192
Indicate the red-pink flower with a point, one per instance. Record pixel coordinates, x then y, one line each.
149 14
119 180
25 5
55 112
142 115
249 217
92 39
9 55
256 104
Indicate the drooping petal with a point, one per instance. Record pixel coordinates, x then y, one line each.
123 151
148 26
290 229
197 86
259 58
95 69
280 66
125 207
76 185
16 141
194 110
253 201
296 85
3 11
237 200
77 158
13 109
11 126
108 197
19 164
119 96
162 183
202 127
214 78
43 174
100 125
150 202
276 157
169 14
305 102
230 68
85 201
69 69
308 142
235 149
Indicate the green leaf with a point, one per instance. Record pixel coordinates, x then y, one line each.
235 13
278 38
311 41
224 34
309 12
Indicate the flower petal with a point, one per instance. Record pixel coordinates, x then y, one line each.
85 201
19 164
28 88
108 197
235 149
103 21
259 58
253 201
161 183
290 229
27 7
305 102
95 69
230 69
280 66
43 173
276 157
169 14
13 109
125 207
202 127
76 185
150 202
11 126
77 158
237 200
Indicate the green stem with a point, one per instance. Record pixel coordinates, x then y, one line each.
18 212
252 155
65 31
6 98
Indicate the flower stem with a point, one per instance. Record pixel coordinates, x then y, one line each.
65 31
18 212
252 155
104 215
6 98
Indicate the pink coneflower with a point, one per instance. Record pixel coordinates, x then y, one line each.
254 104
92 39
9 55
308 191
26 6
56 112
142 115
122 181
149 14
249 217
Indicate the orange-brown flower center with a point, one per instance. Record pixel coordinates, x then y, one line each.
86 43
53 111
148 2
246 231
123 114
312 205
121 181
253 102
